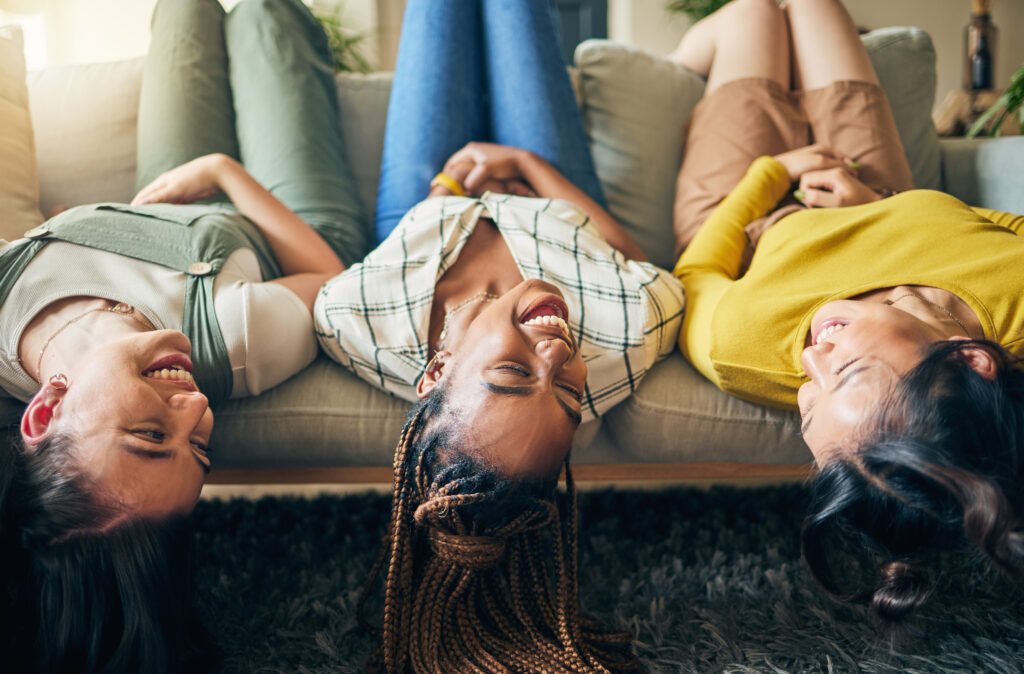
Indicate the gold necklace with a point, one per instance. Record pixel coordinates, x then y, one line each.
482 296
934 304
121 309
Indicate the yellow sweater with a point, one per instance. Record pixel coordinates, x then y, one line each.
746 334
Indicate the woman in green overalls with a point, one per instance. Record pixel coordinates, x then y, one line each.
120 322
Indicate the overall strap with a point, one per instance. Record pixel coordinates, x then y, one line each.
193 239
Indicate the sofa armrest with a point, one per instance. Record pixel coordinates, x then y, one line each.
985 172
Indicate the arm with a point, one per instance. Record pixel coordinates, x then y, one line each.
306 259
1014 223
710 264
499 162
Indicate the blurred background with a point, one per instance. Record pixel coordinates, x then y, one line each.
60 32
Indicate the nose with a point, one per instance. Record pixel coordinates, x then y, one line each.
554 352
193 407
815 360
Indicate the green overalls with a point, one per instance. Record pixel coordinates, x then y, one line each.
193 239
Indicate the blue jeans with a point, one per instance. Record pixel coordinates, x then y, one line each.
475 70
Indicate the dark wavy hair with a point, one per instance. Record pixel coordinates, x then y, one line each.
469 561
942 470
86 588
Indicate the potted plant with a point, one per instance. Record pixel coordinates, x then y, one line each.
1010 104
695 9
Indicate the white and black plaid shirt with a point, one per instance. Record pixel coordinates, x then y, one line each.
374 317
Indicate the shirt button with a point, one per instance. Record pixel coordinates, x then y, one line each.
37 232
199 268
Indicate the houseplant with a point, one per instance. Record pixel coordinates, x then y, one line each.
695 9
1010 104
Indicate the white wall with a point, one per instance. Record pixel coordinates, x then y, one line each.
74 31
59 32
646 23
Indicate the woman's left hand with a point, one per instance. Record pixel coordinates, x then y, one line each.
489 167
192 181
833 188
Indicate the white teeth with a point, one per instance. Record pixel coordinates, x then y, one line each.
173 373
829 331
550 320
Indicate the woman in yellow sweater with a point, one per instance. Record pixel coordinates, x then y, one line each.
892 318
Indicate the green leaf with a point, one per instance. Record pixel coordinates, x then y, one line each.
345 45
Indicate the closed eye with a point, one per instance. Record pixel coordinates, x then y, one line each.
845 365
573 391
150 435
518 369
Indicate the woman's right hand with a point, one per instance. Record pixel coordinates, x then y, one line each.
192 181
813 158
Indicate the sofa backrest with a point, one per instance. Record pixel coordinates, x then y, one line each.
635 107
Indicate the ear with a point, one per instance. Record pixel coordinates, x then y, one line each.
39 414
433 375
980 360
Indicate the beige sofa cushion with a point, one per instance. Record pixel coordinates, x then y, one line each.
85 118
19 185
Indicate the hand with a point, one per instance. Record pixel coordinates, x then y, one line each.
192 181
833 188
813 158
482 167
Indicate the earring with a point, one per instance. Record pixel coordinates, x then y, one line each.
59 381
434 362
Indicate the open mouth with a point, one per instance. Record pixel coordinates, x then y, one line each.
550 312
175 369
828 329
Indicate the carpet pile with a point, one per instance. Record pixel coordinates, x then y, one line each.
709 581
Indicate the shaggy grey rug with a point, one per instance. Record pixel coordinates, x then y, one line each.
708 581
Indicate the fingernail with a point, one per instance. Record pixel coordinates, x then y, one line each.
800 194
853 165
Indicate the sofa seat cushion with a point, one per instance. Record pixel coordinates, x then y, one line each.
676 415
323 416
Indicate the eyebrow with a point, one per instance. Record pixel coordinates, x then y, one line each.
842 382
146 453
573 415
158 454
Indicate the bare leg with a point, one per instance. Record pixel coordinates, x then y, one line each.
743 49
825 45
746 38
851 115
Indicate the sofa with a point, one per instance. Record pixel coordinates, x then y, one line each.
325 425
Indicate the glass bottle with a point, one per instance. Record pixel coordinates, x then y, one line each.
979 47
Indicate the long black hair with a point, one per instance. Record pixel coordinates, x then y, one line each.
87 588
942 470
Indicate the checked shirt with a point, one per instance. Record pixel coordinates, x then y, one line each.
373 318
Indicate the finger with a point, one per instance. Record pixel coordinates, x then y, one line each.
493 185
818 198
469 153
476 177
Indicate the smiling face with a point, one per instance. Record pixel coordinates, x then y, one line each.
857 353
142 425
516 378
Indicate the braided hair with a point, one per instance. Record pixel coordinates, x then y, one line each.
468 564
86 588
942 470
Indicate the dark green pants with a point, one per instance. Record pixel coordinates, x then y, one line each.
256 84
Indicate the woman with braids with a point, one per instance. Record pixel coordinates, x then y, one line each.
510 306
892 322
120 322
